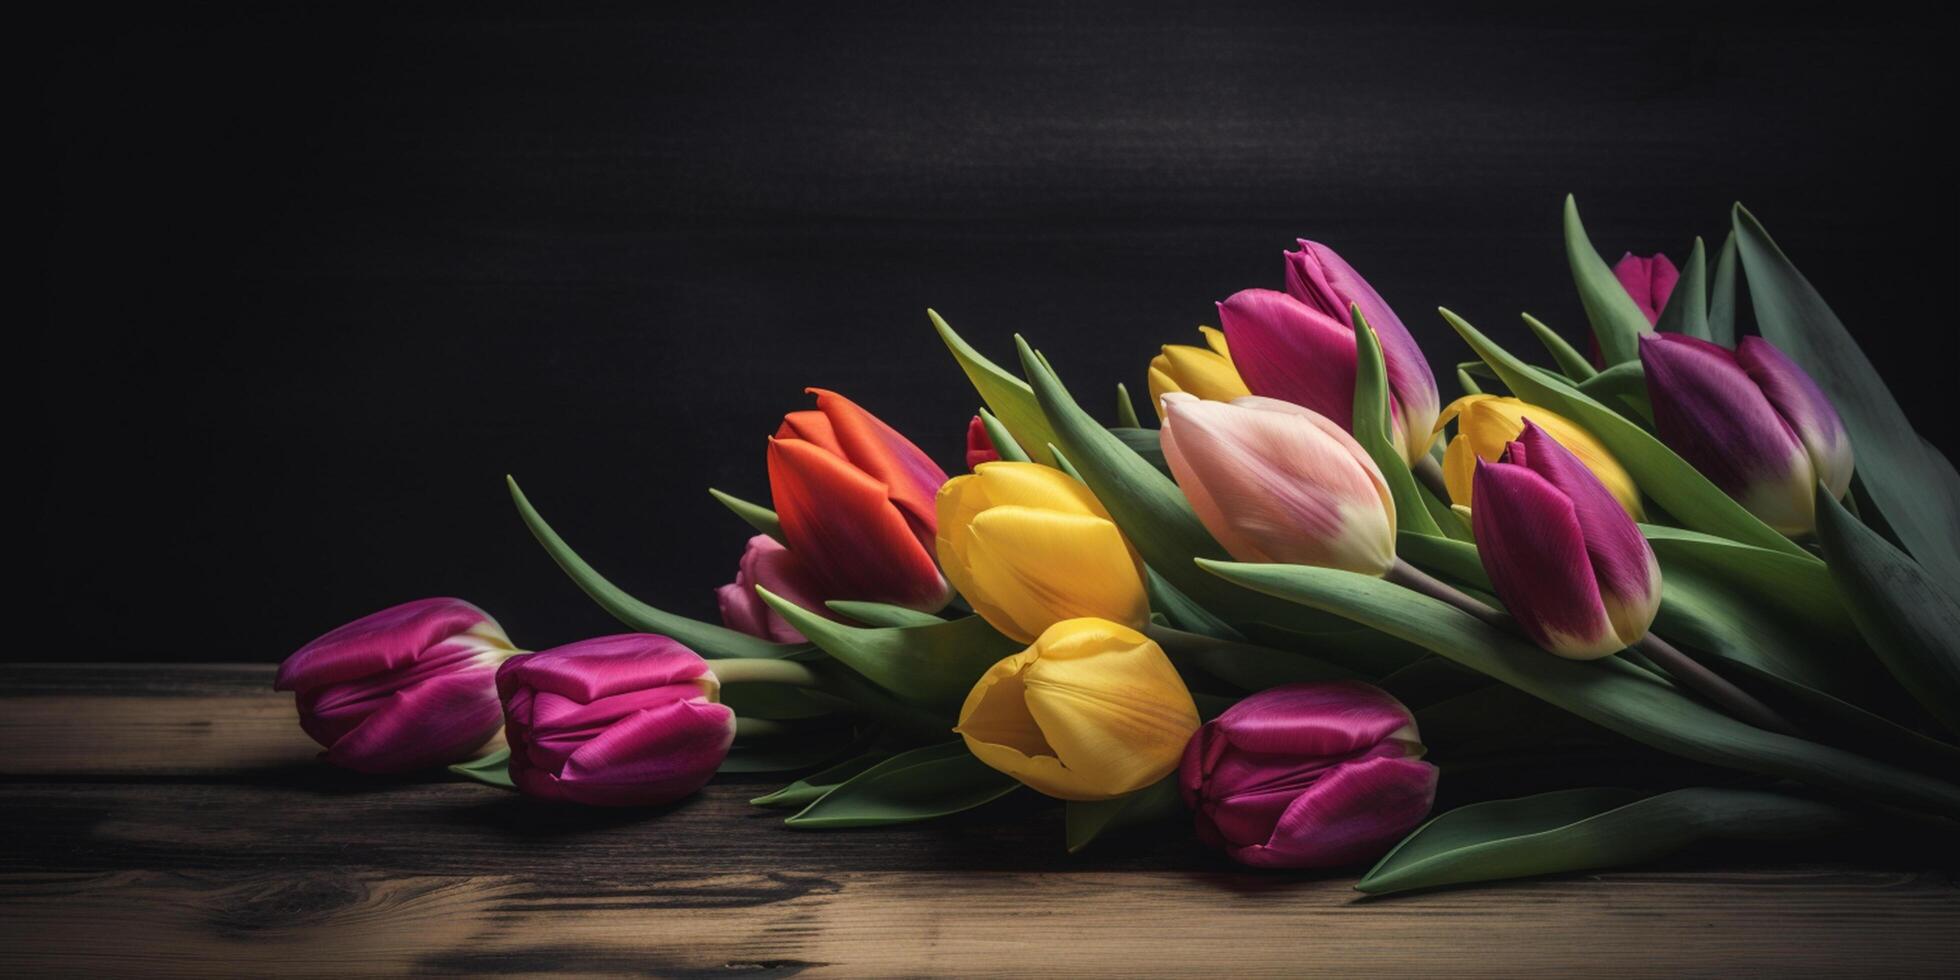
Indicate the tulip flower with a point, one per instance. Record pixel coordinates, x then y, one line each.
1649 280
1308 776
1486 425
767 563
979 445
1029 546
1751 421
406 688
855 501
1275 482
1299 345
627 720
1091 711
1208 374
1561 552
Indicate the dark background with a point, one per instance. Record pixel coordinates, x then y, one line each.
317 279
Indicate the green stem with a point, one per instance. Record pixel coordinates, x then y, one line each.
1430 474
762 670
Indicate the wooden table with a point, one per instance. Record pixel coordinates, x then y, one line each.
173 821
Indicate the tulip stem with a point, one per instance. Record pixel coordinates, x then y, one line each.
1430 474
1712 686
1416 580
764 670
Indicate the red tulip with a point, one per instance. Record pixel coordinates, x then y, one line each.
856 503
979 446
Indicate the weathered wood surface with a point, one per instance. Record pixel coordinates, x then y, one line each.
171 821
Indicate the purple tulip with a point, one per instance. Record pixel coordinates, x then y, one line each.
1308 776
403 689
627 720
1751 421
1298 346
1561 552
1649 280
767 563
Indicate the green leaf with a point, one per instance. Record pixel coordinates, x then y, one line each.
810 788
759 517
1181 611
705 639
1154 515
1570 362
1721 296
1126 410
777 702
1003 440
788 752
1623 387
1912 623
1009 397
1668 479
492 769
1146 443
1467 383
881 613
1616 319
1373 428
1914 485
1246 666
1608 692
1155 803
1587 829
1687 306
933 665
935 781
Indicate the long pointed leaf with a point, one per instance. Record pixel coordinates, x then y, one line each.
922 784
1372 429
1721 296
1687 308
1013 403
1003 440
1086 821
1616 319
934 665
759 517
1570 362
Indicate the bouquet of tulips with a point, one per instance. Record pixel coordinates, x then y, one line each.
1718 572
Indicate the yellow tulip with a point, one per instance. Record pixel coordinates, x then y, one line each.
1091 711
1208 374
1029 546
1487 423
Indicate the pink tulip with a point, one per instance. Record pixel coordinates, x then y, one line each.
1308 776
1649 280
1569 564
767 563
627 720
1751 421
979 446
856 503
1275 482
406 688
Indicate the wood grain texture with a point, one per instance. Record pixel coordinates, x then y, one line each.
182 829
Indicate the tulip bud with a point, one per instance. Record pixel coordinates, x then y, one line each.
1751 421
1649 280
1299 346
1091 711
1275 482
979 445
1562 554
767 563
1029 546
1486 425
627 720
406 688
855 501
1308 776
1208 374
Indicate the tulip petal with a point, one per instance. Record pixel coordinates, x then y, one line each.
813 427
382 641
1623 563
1030 568
1318 276
1709 411
653 756
1649 280
1796 397
840 521
911 477
1488 423
1532 546
605 666
1288 350
433 722
767 563
979 448
1351 815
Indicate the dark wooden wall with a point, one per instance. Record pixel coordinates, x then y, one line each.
318 278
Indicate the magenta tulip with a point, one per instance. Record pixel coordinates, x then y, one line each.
1649 280
767 563
979 446
1275 482
1308 776
1298 346
1561 552
627 720
403 689
1751 421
